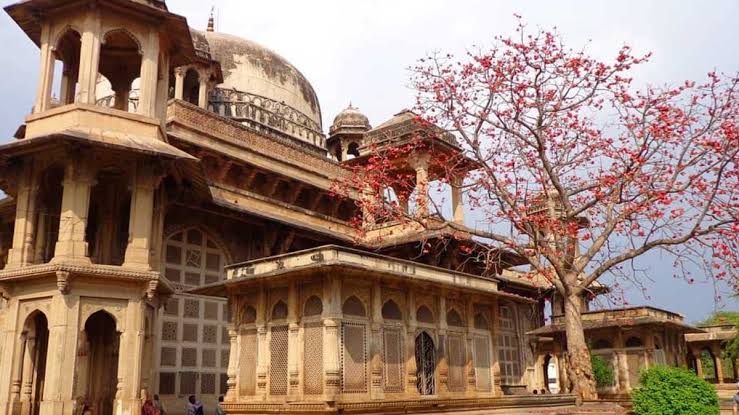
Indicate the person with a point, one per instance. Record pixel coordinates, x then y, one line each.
219 407
194 406
736 400
149 408
159 405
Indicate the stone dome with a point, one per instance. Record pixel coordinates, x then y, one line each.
251 68
350 120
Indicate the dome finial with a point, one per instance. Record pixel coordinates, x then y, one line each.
211 20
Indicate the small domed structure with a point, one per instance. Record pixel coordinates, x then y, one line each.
346 134
351 121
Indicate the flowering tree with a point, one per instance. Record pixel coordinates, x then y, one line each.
575 170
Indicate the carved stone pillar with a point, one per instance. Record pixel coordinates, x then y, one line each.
71 245
121 98
443 357
22 252
623 364
28 366
179 82
470 372
89 57
331 324
698 363
457 200
262 346
420 163
203 89
69 82
138 251
46 71
292 343
410 347
719 369
377 391
149 75
233 365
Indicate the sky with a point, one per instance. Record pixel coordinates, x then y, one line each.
358 51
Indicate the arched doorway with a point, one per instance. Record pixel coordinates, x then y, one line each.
99 362
551 374
36 342
425 364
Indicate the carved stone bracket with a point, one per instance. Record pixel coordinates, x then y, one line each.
62 281
151 289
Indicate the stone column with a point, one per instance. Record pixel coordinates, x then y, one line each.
40 242
179 82
457 200
442 357
128 396
204 77
71 245
293 369
89 57
149 75
10 359
62 358
28 368
377 391
698 363
262 346
410 347
331 324
470 372
494 330
17 371
623 364
69 82
420 162
719 369
122 96
162 90
138 251
21 252
46 71
233 365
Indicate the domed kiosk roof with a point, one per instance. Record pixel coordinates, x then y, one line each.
251 68
350 120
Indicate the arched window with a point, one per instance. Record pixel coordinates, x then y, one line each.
120 64
279 311
313 307
194 258
391 311
352 151
634 342
67 55
248 315
354 307
424 315
602 344
481 322
454 319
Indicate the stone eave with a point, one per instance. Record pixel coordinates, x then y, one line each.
28 14
244 201
711 336
319 260
589 325
230 138
13 275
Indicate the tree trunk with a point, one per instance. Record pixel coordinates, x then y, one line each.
579 369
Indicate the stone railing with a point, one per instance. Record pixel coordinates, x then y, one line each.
259 112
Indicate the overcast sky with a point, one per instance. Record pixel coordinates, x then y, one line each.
358 51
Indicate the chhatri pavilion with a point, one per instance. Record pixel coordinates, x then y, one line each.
170 228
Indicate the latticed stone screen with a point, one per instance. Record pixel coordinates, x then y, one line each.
456 363
481 356
353 358
313 359
393 360
278 361
193 328
248 363
509 355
